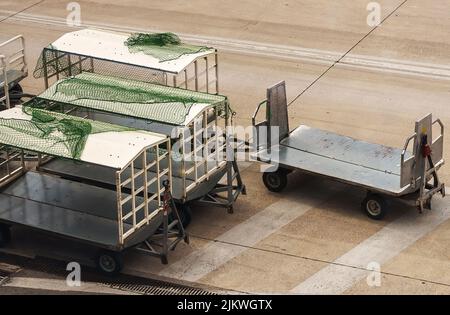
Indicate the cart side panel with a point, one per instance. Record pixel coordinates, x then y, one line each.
12 164
437 145
413 167
277 114
137 205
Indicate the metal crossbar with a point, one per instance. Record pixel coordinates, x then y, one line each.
56 63
14 60
12 164
4 84
205 80
136 205
200 147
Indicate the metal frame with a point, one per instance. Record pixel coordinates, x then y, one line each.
201 75
135 172
127 189
200 147
13 61
5 83
195 77
12 161
417 168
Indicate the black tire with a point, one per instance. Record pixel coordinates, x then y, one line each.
375 206
5 235
185 213
109 263
13 92
275 181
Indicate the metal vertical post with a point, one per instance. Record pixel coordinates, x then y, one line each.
217 72
207 75
119 207
144 167
196 74
44 65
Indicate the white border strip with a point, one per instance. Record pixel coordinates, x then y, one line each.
387 243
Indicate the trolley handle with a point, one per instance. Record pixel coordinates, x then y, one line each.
438 121
22 39
5 83
256 112
405 147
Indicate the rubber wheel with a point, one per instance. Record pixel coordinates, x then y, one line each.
5 235
374 206
275 181
184 210
16 89
109 263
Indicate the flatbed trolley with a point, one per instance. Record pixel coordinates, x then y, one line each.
382 170
13 69
112 218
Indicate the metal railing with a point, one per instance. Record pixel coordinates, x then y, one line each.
408 164
201 150
4 84
14 60
201 76
256 128
12 164
139 188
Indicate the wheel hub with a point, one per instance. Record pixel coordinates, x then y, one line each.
373 207
107 263
273 180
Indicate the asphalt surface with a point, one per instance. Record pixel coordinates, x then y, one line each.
313 238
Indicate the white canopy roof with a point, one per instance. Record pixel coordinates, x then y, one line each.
110 149
110 46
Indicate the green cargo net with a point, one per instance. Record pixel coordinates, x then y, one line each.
162 46
56 62
51 133
131 98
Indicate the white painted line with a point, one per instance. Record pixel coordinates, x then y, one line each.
380 247
248 233
316 56
60 285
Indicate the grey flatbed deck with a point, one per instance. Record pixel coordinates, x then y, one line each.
339 157
13 76
69 209
103 175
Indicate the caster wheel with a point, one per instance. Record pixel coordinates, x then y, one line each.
109 263
164 260
275 181
5 235
375 206
15 90
186 239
